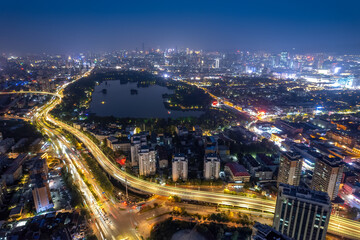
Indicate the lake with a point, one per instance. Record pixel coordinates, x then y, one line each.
119 102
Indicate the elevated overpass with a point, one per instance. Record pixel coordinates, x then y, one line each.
31 92
337 225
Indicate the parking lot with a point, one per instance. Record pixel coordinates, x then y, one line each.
59 192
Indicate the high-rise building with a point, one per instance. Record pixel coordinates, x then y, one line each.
217 63
137 141
274 61
302 213
147 161
69 62
134 150
179 167
320 61
211 166
327 175
284 57
43 80
290 168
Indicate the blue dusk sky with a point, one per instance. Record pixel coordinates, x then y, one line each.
62 26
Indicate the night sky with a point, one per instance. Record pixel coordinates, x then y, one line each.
274 25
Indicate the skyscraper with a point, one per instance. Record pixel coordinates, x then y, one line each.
290 168
302 213
179 167
284 57
147 161
327 175
211 166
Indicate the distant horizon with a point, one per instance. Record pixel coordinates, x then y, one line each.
226 51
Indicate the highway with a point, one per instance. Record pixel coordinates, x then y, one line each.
89 200
31 92
102 227
109 221
154 188
338 226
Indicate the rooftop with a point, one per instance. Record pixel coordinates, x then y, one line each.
305 194
112 139
37 180
211 156
237 169
250 160
292 156
265 159
16 164
179 157
333 161
264 231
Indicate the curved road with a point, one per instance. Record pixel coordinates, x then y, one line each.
31 92
337 225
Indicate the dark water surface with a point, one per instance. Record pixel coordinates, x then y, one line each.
119 102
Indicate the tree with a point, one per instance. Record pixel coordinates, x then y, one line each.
220 234
235 235
247 185
353 213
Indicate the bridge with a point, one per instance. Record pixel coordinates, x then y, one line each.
31 92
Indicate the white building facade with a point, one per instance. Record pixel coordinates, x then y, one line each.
211 166
179 167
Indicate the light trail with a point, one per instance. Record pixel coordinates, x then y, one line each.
337 225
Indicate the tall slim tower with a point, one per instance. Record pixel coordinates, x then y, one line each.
290 168
217 63
134 150
302 213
